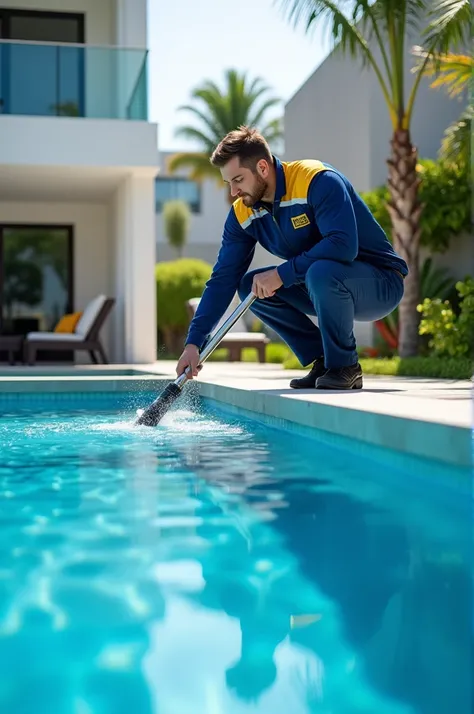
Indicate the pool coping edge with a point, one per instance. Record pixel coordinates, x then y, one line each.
447 443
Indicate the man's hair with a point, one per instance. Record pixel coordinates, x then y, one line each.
244 142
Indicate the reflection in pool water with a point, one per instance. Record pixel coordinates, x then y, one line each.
218 566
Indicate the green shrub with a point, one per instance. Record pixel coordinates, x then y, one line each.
446 195
451 335
178 281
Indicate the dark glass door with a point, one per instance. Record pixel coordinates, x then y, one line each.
36 279
42 79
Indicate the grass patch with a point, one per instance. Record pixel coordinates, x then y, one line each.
429 367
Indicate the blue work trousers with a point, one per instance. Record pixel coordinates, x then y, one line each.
338 294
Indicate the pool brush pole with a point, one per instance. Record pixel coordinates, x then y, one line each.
219 334
157 409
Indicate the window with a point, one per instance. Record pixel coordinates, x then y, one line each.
178 189
36 284
43 73
40 26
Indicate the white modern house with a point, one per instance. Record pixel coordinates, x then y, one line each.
78 161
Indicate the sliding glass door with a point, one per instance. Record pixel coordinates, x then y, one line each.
36 278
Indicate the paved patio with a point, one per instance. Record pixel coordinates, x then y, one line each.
441 401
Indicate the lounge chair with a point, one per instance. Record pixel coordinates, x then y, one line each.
84 337
238 336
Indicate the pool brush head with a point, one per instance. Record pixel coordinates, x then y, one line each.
153 414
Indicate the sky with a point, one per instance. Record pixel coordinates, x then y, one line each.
195 40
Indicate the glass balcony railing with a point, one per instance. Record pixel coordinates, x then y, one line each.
39 79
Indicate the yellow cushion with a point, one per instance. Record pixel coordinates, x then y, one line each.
68 322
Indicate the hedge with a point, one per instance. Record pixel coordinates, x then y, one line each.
423 367
178 281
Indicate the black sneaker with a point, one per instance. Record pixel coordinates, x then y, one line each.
309 382
342 378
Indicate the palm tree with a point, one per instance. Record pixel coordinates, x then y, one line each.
455 74
368 29
242 101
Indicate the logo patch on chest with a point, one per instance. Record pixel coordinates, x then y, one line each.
300 221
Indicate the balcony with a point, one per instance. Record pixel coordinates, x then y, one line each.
70 80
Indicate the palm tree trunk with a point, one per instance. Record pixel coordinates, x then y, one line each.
405 210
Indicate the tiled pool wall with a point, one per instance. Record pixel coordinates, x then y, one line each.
428 440
425 439
69 393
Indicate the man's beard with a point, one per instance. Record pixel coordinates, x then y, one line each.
250 199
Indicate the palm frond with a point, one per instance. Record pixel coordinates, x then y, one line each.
449 27
207 119
452 71
215 104
346 27
273 133
198 164
241 101
457 140
256 118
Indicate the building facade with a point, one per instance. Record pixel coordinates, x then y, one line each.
78 161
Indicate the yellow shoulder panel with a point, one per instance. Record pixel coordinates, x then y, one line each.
298 175
242 212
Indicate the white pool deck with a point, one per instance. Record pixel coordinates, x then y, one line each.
444 401
424 417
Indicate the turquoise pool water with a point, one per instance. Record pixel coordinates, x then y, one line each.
215 565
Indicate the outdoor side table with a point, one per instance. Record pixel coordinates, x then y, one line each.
11 344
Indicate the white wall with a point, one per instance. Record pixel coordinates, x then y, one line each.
92 237
131 23
327 119
458 261
134 271
58 141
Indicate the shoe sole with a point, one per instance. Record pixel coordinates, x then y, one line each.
357 383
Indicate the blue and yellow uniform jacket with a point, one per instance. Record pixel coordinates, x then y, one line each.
317 215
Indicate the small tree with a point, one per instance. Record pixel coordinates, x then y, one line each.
177 217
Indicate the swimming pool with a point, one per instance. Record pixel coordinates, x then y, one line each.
216 565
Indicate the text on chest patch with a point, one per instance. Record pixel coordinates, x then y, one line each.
300 221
